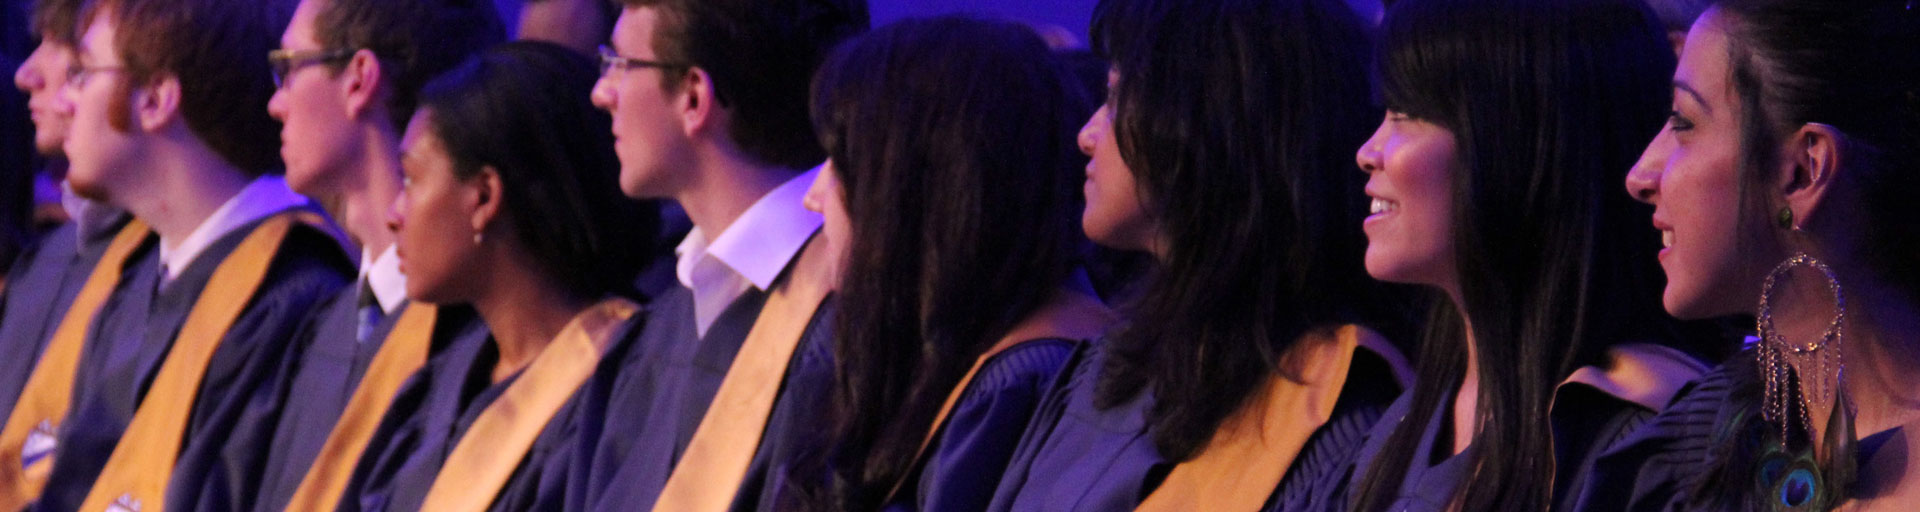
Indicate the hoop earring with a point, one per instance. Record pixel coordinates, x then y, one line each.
1789 475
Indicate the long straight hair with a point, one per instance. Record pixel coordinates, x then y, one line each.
1549 103
953 141
1238 120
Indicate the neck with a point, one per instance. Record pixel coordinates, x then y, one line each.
718 194
525 311
184 185
1879 349
363 208
1464 415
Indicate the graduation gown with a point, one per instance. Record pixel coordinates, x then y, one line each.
1075 456
965 463
41 286
436 407
221 456
320 379
1587 417
654 405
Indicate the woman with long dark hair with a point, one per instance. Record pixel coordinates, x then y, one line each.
511 207
1783 185
1493 179
952 195
1255 342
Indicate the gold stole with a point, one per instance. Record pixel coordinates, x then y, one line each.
43 402
490 450
136 476
1068 314
716 460
403 353
1243 463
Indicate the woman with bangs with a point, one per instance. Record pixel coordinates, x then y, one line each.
1492 178
1255 345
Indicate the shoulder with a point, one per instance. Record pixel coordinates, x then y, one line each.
1670 457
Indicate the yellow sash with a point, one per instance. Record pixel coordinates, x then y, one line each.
1247 457
404 351
716 460
136 476
1069 314
43 402
490 450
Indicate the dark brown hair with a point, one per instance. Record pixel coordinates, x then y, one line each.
415 39
216 49
761 55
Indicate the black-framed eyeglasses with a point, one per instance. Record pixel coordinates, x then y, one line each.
284 61
77 74
610 61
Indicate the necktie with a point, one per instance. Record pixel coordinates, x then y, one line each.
369 313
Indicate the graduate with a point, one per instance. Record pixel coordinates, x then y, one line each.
48 275
709 107
954 213
1256 344
1492 177
345 97
1783 188
168 102
509 207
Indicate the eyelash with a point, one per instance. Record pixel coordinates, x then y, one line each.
1677 122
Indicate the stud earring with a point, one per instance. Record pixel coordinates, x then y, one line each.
1785 217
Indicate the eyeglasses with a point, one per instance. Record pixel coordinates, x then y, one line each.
610 61
77 74
284 61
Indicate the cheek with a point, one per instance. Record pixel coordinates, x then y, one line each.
1708 270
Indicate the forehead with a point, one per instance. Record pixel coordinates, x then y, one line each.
633 32
1703 62
299 32
97 40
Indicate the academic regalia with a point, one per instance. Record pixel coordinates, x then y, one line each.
1698 453
437 406
221 460
965 463
1590 412
320 378
1075 456
659 399
41 286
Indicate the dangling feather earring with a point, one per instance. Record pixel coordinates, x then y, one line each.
1789 476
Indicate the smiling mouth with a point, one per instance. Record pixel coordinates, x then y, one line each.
1379 206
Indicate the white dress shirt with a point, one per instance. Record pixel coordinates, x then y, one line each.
751 252
263 197
382 275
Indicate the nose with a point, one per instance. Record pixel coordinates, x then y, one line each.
602 94
26 77
816 198
396 213
1643 180
1370 153
1089 136
277 105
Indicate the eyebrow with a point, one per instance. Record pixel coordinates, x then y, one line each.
1684 87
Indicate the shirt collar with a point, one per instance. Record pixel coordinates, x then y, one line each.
381 274
263 197
760 243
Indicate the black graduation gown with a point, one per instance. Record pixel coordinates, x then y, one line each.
965 463
320 379
434 409
655 404
1075 456
221 456
41 286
